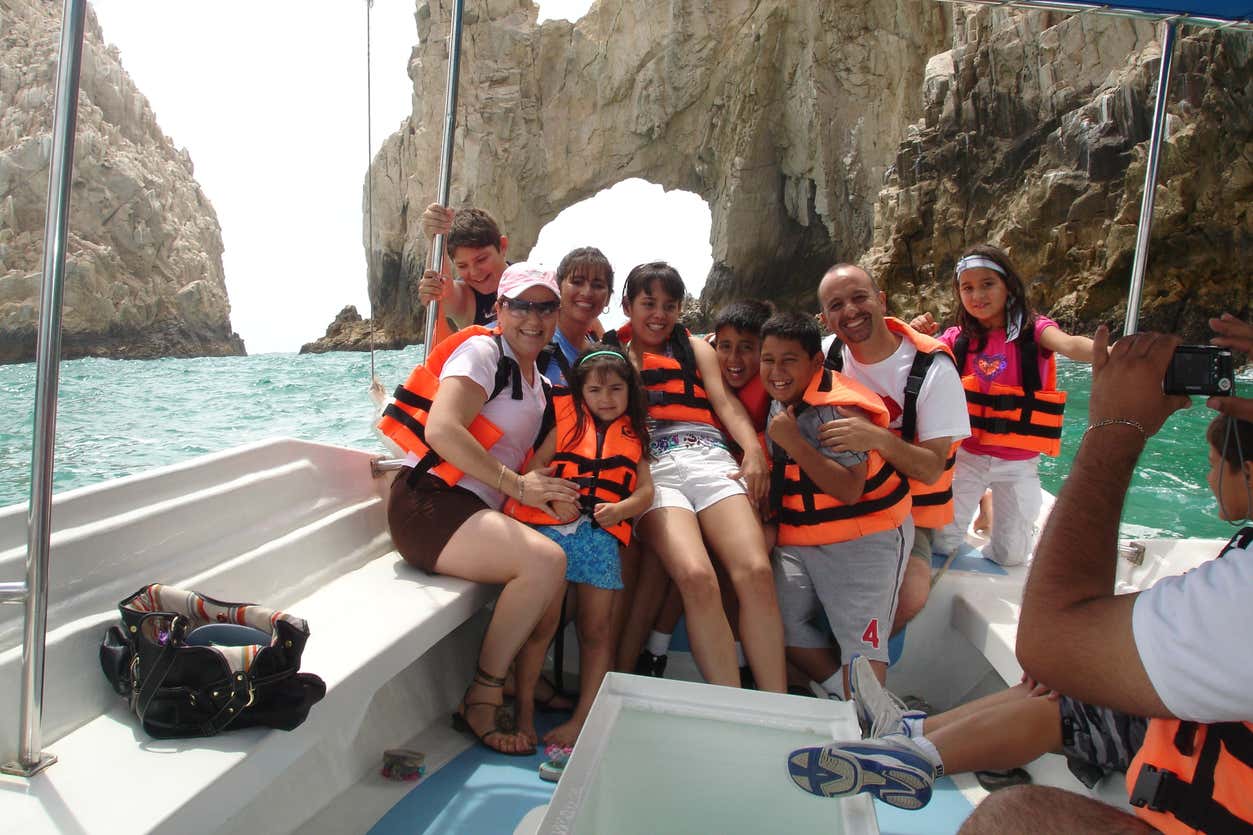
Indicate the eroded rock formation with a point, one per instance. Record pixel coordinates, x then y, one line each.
144 257
1034 137
781 115
894 132
349 332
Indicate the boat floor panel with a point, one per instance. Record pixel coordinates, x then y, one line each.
480 791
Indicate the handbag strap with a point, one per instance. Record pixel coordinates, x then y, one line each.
160 668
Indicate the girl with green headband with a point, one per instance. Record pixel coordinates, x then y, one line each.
600 443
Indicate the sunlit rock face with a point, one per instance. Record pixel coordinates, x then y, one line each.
783 116
890 132
1034 137
144 251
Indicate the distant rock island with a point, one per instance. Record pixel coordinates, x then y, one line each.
349 332
144 271
888 132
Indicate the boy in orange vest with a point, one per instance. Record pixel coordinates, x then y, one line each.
845 528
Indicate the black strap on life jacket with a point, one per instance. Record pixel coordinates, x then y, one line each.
913 385
550 354
484 304
1243 539
835 356
1029 365
1192 802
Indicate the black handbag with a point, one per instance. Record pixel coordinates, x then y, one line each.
193 666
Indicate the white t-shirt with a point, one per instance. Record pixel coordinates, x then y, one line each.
941 402
519 420
1194 633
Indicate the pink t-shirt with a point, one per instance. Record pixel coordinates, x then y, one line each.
997 362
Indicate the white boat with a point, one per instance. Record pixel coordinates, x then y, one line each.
302 527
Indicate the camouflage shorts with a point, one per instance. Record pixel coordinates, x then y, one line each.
1098 740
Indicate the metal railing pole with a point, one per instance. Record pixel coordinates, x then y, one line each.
30 759
435 258
1140 262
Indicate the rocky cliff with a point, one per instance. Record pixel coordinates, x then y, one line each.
895 132
783 116
1034 137
144 257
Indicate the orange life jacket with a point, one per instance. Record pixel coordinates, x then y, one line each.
1189 777
933 503
753 395
1027 416
603 465
404 419
673 383
807 515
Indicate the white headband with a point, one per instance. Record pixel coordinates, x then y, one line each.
974 262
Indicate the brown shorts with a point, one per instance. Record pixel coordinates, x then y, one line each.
422 518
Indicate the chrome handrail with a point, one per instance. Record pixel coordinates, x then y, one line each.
378 466
435 258
30 759
1140 262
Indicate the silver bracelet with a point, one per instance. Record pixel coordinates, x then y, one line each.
500 478
1112 422
521 490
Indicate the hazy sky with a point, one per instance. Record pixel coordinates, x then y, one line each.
269 98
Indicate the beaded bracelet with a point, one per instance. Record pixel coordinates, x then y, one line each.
500 478
1112 422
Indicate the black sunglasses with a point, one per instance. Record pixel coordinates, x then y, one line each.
520 308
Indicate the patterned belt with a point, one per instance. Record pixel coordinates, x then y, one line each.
683 440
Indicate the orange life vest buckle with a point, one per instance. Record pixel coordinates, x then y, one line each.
1152 789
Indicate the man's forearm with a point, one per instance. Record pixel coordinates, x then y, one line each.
911 460
1076 557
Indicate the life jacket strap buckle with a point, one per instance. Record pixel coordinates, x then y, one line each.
1153 789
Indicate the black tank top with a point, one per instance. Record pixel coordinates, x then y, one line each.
484 314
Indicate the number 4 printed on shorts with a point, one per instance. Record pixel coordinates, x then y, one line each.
871 635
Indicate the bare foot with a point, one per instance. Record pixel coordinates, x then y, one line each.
983 521
567 733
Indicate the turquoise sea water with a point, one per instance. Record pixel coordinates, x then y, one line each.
119 417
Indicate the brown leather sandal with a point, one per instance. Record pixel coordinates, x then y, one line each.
502 720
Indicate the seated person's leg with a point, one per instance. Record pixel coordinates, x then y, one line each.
858 583
596 649
808 645
652 661
1034 810
676 537
731 528
917 583
642 606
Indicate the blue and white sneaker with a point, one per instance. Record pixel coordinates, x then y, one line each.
879 712
893 769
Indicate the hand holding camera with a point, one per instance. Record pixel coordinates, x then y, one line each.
1127 380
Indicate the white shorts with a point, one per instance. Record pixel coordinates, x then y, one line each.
694 478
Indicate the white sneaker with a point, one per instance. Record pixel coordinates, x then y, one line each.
879 711
895 770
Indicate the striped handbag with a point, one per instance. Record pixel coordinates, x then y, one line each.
193 666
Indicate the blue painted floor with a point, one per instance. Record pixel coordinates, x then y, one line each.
482 792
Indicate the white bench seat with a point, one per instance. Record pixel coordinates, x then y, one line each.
988 618
367 626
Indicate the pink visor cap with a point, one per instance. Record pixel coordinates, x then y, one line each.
518 278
